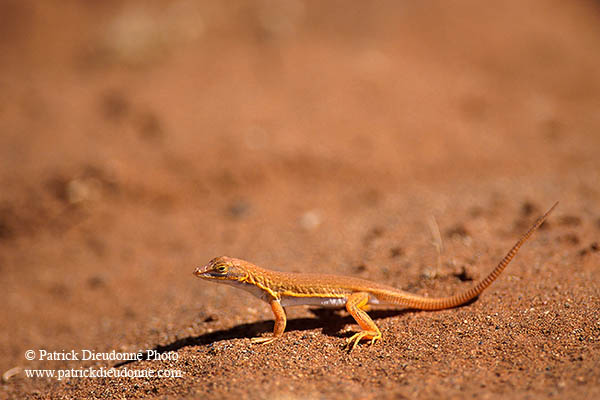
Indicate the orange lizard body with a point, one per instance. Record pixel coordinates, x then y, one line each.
282 289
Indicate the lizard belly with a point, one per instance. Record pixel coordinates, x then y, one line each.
333 302
330 302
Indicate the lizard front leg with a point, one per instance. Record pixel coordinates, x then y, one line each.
280 321
356 305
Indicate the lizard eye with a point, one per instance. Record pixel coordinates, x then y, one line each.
221 269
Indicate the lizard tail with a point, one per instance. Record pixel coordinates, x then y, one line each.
427 303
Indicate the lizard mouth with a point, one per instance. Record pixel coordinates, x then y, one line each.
201 272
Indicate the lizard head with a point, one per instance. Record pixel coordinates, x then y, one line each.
223 269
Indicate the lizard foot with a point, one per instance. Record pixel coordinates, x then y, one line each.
263 340
367 335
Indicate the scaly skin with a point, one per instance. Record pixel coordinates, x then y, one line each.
285 288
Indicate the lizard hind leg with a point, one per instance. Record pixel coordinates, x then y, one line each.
356 305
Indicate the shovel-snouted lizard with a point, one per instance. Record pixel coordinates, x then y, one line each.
282 289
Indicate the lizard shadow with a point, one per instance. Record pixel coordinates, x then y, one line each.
333 323
329 320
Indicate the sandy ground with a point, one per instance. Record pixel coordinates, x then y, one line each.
138 140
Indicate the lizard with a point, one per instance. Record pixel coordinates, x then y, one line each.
283 289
